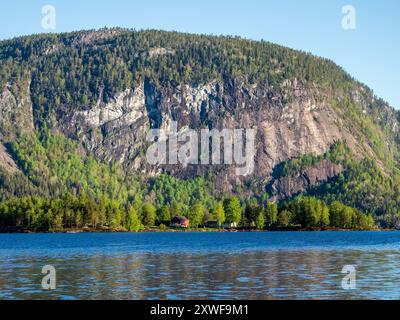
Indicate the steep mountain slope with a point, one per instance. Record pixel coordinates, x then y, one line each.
75 110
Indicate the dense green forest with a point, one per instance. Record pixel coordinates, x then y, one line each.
362 184
71 212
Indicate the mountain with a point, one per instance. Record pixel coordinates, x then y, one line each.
75 110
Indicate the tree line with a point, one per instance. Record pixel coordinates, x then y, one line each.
70 212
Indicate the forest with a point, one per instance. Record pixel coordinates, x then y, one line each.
70 212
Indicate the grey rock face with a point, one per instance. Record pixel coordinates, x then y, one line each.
113 131
117 131
16 115
291 122
6 162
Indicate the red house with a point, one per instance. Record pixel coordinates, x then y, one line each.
179 222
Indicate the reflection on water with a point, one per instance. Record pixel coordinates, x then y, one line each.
261 274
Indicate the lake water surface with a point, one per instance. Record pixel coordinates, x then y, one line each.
276 265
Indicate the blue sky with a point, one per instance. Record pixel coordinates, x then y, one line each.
370 52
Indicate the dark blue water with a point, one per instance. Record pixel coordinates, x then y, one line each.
282 265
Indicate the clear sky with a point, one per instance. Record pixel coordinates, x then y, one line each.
370 52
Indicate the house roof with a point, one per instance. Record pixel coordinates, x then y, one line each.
180 219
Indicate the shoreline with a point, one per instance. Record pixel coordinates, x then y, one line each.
176 230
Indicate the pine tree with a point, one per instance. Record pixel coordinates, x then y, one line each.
133 222
271 212
260 220
196 214
149 215
233 210
219 213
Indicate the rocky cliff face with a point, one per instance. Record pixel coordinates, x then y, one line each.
113 131
16 115
290 124
6 162
16 118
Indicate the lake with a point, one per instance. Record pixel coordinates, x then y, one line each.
265 265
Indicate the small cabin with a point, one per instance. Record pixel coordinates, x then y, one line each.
230 225
179 222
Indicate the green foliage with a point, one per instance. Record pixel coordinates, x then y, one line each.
251 212
219 213
364 186
233 210
373 123
260 220
310 212
196 214
348 218
69 212
297 165
38 213
180 194
285 218
15 184
164 215
271 212
133 222
149 214
55 166
338 153
176 209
